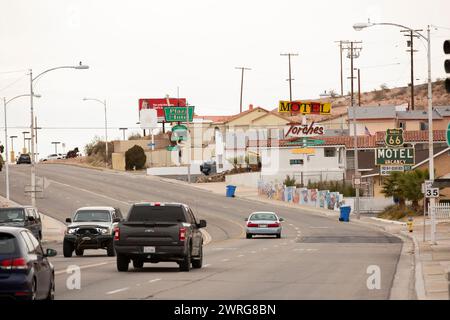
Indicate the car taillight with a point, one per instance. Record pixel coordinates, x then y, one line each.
182 234
116 234
274 225
252 225
14 264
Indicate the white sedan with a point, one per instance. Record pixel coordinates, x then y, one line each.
263 223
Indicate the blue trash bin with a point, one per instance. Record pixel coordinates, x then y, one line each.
345 213
230 191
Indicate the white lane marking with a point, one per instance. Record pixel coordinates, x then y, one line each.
225 260
264 249
240 256
296 228
118 290
252 251
154 280
206 265
83 267
291 224
275 246
319 227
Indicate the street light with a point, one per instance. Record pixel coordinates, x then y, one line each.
80 66
123 131
5 103
106 126
361 26
56 146
24 141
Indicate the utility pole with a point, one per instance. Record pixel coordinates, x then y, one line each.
359 86
289 55
242 83
36 128
411 34
341 49
12 158
354 52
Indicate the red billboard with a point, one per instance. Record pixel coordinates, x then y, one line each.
159 103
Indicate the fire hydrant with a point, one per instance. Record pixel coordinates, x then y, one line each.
410 224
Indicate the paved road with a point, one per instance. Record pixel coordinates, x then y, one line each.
317 257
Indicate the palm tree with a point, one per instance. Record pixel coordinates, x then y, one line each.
411 184
392 187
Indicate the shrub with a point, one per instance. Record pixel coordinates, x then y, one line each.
397 212
135 158
97 149
289 182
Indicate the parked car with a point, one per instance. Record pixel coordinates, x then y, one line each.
25 272
156 232
24 217
208 167
24 159
91 228
263 223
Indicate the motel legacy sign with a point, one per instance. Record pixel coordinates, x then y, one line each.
394 156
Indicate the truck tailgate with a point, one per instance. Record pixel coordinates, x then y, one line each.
149 233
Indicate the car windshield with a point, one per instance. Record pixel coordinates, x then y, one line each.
92 216
11 215
25 156
7 244
263 216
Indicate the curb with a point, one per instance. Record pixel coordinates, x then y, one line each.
419 279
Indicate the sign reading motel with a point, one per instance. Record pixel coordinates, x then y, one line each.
394 156
296 130
305 107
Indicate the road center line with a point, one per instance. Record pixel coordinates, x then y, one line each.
154 280
118 290
83 267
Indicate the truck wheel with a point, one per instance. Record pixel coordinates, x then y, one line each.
67 249
110 250
249 236
79 252
185 265
122 263
198 261
137 264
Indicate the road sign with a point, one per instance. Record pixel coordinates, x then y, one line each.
394 138
178 114
386 170
394 156
432 193
148 118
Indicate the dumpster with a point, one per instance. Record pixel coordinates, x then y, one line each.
230 191
345 213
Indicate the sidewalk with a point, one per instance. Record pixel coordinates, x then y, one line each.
429 264
52 229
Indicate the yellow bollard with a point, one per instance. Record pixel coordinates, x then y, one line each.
410 224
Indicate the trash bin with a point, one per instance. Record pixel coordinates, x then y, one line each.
230 191
345 213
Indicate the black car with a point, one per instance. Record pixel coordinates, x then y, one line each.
25 272
24 217
159 232
24 158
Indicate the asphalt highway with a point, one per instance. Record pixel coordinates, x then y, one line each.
316 258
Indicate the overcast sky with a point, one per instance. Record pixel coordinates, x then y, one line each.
146 49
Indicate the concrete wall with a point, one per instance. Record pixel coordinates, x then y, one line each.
161 142
249 179
168 171
118 161
276 165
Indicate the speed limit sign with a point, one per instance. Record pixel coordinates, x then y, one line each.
432 193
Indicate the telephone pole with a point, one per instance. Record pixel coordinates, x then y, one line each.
341 49
353 52
411 34
242 84
289 55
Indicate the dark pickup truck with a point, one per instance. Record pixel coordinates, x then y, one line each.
159 232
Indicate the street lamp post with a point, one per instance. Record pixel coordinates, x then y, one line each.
24 141
56 146
123 132
360 26
33 159
106 126
5 103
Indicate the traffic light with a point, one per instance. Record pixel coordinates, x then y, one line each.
447 64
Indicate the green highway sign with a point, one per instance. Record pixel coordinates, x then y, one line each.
394 156
178 114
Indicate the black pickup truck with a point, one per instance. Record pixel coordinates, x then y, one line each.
158 232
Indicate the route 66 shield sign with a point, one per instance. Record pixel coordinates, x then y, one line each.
394 138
